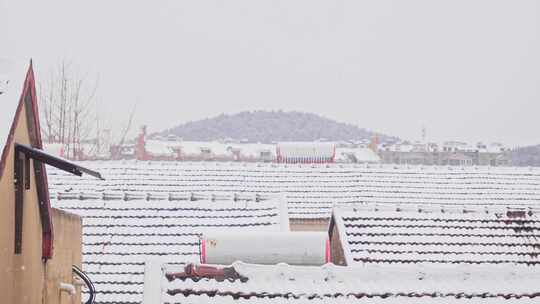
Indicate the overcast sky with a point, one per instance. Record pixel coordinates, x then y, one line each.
467 70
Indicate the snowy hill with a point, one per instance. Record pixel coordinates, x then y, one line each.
269 126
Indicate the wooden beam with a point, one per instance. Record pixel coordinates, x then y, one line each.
19 193
23 154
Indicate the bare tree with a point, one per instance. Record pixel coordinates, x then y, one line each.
69 109
128 126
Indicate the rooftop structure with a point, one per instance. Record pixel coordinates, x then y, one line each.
452 153
311 190
40 245
121 232
408 234
306 152
388 284
357 155
148 210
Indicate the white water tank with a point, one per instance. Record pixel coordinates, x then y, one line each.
293 248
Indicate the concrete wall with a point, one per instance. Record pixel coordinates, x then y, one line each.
25 278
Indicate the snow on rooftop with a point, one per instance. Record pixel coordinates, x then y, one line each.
121 232
358 155
160 148
438 235
311 190
282 283
305 149
158 209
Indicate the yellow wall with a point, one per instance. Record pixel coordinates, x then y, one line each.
67 252
22 277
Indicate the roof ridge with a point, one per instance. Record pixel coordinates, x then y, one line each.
512 211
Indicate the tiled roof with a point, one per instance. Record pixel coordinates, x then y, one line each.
438 234
311 190
248 283
121 232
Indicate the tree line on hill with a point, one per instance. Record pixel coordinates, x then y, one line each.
269 126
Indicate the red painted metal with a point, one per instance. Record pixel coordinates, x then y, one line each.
203 251
328 254
39 170
206 271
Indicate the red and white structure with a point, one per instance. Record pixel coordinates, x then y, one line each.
306 152
306 248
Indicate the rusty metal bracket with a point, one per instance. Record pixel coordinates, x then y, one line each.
18 180
22 181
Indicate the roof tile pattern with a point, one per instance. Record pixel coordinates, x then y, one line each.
120 234
311 190
400 234
371 283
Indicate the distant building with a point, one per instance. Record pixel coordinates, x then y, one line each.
306 152
451 153
357 155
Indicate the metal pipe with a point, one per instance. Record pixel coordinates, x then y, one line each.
88 282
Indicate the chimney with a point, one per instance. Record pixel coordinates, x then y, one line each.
374 144
140 147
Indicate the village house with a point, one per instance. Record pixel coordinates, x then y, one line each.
435 234
40 246
380 254
451 153
150 213
373 283
123 229
306 152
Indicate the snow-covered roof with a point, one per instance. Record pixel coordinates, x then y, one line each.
161 148
365 155
196 147
300 151
389 284
358 155
373 233
311 190
12 76
121 232
254 150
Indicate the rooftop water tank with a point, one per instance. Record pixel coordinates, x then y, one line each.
293 248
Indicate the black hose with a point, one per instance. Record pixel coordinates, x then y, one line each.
88 282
